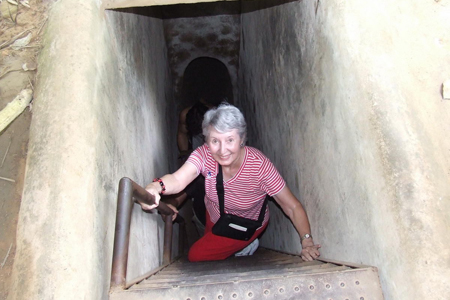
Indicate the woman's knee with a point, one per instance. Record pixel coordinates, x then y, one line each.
194 255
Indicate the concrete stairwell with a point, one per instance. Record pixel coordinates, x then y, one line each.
267 274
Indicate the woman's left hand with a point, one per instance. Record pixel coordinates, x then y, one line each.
175 211
310 253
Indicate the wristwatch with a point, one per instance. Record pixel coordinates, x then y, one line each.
306 236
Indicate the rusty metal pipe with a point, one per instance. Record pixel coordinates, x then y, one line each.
122 233
141 194
128 190
182 238
168 228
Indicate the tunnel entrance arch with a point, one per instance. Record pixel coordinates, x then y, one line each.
208 78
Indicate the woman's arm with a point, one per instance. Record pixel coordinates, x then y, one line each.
294 210
173 183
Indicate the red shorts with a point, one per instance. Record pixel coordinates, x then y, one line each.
214 247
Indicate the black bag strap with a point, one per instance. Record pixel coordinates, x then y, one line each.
221 194
220 190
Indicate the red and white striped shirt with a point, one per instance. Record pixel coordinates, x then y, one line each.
244 192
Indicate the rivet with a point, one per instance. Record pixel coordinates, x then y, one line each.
311 287
220 297
342 284
234 296
296 289
357 282
362 298
202 298
328 286
266 292
281 290
250 294
188 298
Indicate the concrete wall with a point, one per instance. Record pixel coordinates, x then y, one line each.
101 113
202 30
345 98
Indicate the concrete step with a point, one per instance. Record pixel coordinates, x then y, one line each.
265 275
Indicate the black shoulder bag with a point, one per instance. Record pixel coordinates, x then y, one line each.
232 226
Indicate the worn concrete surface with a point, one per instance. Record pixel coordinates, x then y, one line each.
141 3
102 97
345 98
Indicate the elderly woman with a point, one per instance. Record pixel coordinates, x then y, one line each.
237 180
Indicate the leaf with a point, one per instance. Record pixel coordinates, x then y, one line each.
25 3
20 43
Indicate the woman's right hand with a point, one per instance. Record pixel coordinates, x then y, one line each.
153 190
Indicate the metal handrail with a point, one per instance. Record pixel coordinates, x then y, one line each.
129 190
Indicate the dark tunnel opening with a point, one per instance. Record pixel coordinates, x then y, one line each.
206 78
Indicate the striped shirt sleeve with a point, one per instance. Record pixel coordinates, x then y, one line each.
271 180
198 158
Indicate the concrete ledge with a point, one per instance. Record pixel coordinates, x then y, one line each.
140 3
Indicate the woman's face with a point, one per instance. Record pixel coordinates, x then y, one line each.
225 147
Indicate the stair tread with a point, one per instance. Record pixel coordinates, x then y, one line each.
231 277
267 274
263 263
269 257
237 268
242 263
260 255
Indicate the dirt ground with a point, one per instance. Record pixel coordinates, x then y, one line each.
24 22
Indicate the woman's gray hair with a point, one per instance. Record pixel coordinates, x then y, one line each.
225 118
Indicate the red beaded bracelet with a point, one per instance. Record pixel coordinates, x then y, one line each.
161 183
